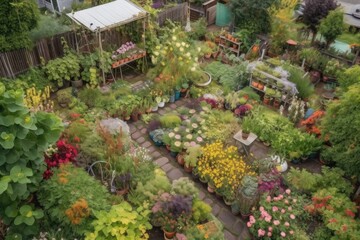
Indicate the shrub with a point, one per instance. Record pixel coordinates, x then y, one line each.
170 121
200 211
71 196
24 138
64 96
122 222
90 96
183 186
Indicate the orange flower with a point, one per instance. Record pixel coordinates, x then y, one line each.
78 211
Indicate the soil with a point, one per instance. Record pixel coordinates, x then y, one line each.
156 234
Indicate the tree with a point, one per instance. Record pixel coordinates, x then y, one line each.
341 125
316 10
253 15
332 26
17 18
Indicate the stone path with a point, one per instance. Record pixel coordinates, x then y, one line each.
235 226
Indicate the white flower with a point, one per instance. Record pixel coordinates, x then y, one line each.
194 125
183 44
174 38
171 134
199 49
192 111
188 54
177 136
189 136
178 44
157 47
193 69
187 130
181 49
177 144
156 53
176 129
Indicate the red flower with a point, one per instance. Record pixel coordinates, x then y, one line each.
349 213
332 220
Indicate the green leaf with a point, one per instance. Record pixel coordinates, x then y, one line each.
7 120
19 220
38 213
29 221
11 211
25 209
7 140
4 182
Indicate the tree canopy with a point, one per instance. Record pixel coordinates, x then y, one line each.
332 26
316 10
17 18
253 15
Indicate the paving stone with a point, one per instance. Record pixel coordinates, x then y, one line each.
155 154
173 106
229 236
140 126
208 201
175 174
167 167
146 144
245 235
202 194
132 129
143 131
238 227
161 161
162 111
227 218
215 209
136 135
151 149
140 140
167 109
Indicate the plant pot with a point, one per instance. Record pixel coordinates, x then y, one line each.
169 235
266 100
276 103
203 179
161 104
122 192
188 169
215 54
254 84
77 83
228 201
155 108
173 154
148 110
183 92
177 95
135 117
172 98
260 86
180 159
210 188
245 135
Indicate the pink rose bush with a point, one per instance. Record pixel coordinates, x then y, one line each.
277 217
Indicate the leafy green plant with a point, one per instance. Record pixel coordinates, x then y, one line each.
23 140
64 96
170 120
192 155
69 194
131 223
90 96
185 187
200 211
303 83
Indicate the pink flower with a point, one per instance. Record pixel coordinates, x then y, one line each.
268 199
268 218
270 229
294 200
291 232
276 222
249 224
283 234
252 219
274 208
276 199
286 224
261 232
269 234
261 208
286 201
280 196
288 191
283 211
289 208
292 216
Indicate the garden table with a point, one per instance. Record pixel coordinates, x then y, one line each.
245 144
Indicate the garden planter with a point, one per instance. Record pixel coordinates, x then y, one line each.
148 110
203 179
235 208
205 83
172 98
180 159
211 188
169 235
228 202
183 92
295 160
245 135
155 108
246 203
254 84
188 169
266 100
276 103
135 117
260 86
161 104
77 83
208 55
177 95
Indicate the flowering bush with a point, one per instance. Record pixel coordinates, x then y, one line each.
311 123
277 217
63 153
223 167
120 52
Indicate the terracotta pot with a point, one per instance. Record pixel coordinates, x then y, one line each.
260 86
169 235
254 84
188 169
276 103
228 202
266 101
135 117
180 159
168 147
208 55
245 135
210 188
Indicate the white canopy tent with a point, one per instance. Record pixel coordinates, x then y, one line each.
110 15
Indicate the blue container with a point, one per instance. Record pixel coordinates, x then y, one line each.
177 95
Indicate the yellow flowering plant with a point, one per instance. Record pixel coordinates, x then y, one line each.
175 56
38 100
223 167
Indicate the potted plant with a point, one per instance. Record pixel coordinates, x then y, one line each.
64 97
159 101
246 128
231 100
191 157
247 195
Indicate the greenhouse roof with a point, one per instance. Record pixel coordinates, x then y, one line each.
109 15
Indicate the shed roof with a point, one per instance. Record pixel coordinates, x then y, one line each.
109 15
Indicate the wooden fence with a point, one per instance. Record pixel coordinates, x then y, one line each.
175 14
18 61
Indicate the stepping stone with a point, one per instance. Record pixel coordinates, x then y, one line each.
155 154
146 144
215 209
140 140
229 236
175 174
143 131
161 161
227 218
238 227
167 167
136 135
151 149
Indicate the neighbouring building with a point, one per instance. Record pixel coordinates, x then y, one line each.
57 6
